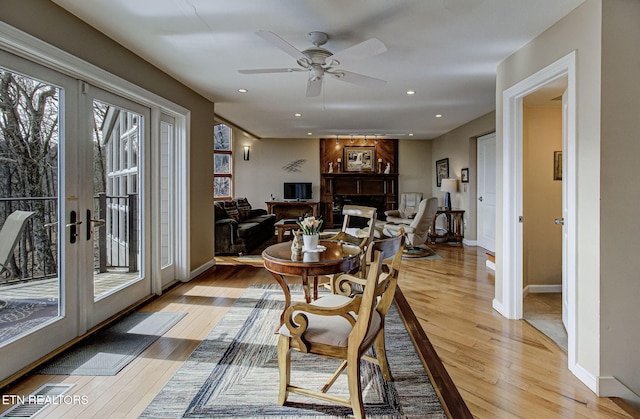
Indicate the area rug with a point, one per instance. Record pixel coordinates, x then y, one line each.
21 315
109 351
234 372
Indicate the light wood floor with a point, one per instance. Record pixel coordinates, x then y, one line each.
502 368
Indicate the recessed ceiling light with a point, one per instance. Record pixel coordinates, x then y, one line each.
438 116
242 90
297 114
411 92
410 134
309 133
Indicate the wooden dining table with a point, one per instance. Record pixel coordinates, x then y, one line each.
338 257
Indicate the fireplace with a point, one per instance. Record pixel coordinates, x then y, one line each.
377 202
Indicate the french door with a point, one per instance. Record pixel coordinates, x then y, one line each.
75 158
113 190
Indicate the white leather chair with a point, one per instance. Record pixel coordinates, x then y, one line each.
407 208
418 231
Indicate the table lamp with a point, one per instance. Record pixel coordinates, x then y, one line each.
448 186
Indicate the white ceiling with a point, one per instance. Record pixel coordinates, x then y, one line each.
445 50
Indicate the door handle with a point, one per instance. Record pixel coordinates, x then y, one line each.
73 226
93 223
480 199
559 221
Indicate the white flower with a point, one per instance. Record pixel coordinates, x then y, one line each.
310 225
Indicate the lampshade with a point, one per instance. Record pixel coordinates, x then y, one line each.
449 185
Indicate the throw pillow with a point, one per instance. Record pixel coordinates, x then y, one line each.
220 213
231 209
244 207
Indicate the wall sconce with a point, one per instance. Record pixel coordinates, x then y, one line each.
247 149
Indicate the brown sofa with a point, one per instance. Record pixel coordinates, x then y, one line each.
239 228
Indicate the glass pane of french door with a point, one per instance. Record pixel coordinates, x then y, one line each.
29 244
116 220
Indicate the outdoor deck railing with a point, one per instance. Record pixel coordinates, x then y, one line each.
35 256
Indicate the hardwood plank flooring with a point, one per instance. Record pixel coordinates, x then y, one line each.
502 368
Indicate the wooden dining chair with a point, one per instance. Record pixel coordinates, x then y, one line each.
343 327
361 235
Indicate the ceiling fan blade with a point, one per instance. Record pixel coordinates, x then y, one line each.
365 49
314 86
359 79
270 70
281 43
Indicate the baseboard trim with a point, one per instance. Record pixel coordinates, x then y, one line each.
612 387
202 268
542 288
470 242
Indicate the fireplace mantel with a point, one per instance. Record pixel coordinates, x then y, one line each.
373 188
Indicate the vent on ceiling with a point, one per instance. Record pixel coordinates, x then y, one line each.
31 405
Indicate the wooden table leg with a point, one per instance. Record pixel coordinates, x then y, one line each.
280 234
305 287
287 295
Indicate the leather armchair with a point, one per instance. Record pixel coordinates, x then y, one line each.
407 209
417 232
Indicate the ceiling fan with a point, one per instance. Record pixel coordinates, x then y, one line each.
318 61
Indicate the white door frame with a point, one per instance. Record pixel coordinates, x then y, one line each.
509 303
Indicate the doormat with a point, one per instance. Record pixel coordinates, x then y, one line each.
107 352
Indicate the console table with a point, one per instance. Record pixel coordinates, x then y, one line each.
454 231
291 209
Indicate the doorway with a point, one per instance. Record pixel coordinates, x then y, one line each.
509 297
542 209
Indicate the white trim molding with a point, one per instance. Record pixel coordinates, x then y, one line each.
511 262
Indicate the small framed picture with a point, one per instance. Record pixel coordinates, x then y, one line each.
464 175
557 165
442 170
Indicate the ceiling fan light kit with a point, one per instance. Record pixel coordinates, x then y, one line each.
317 61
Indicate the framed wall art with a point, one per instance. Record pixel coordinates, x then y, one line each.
442 170
464 175
359 159
557 165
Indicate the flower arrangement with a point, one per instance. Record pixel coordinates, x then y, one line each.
310 225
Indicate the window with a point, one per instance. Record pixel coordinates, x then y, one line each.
222 158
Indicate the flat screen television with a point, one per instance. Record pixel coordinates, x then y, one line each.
297 191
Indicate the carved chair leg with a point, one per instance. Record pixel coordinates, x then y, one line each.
284 368
355 388
381 356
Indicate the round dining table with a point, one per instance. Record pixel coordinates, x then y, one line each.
337 257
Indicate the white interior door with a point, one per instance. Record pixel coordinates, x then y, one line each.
565 211
487 192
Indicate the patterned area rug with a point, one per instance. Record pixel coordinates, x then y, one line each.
21 315
110 350
234 372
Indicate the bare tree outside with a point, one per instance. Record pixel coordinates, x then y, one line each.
29 122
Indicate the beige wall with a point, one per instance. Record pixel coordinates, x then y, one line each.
265 172
50 23
415 163
605 35
460 147
542 196
620 194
